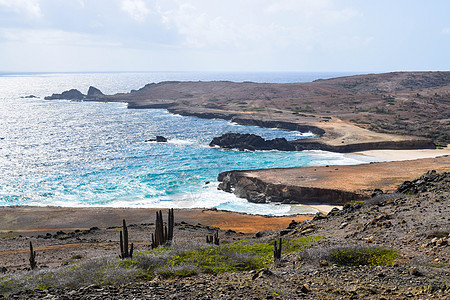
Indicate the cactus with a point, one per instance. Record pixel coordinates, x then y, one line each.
277 250
163 234
33 263
213 239
171 223
124 252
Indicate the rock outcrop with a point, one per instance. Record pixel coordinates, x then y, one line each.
158 139
430 181
245 141
258 191
72 94
94 93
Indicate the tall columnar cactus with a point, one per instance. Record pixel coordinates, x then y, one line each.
213 239
277 250
33 262
124 252
163 234
171 224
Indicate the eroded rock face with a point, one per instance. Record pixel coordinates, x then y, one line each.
72 94
250 142
258 191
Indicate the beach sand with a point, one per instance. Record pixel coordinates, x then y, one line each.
401 155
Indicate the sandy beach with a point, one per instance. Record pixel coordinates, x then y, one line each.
401 155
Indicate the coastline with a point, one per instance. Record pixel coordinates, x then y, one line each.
206 100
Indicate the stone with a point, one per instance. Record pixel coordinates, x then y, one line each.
305 289
377 192
292 225
319 216
323 263
343 225
333 211
415 272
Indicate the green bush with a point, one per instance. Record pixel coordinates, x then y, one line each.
353 203
363 256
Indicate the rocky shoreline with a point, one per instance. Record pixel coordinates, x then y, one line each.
258 191
208 100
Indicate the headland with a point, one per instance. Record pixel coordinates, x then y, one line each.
391 111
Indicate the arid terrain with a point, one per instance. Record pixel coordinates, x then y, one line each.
390 243
412 225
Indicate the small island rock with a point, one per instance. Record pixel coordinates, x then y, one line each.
245 141
72 94
158 139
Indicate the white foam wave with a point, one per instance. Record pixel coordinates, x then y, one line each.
210 197
180 142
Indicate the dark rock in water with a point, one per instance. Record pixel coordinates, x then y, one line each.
94 92
250 142
158 139
29 97
72 94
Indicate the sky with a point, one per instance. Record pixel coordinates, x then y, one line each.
224 36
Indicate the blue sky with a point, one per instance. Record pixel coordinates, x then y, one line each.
232 35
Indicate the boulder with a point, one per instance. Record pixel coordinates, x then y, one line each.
252 142
72 94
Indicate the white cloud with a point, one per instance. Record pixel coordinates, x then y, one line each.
446 31
53 37
253 23
137 9
29 8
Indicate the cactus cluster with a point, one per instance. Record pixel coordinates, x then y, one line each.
124 252
277 250
163 234
213 239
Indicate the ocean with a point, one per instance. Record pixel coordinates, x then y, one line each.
82 154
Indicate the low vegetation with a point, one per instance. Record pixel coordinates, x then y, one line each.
164 261
362 256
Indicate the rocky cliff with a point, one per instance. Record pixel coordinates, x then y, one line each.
259 191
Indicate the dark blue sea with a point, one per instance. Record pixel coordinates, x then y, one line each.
80 154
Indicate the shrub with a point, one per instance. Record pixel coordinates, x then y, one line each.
362 256
353 203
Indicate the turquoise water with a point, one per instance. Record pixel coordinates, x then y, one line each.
63 153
